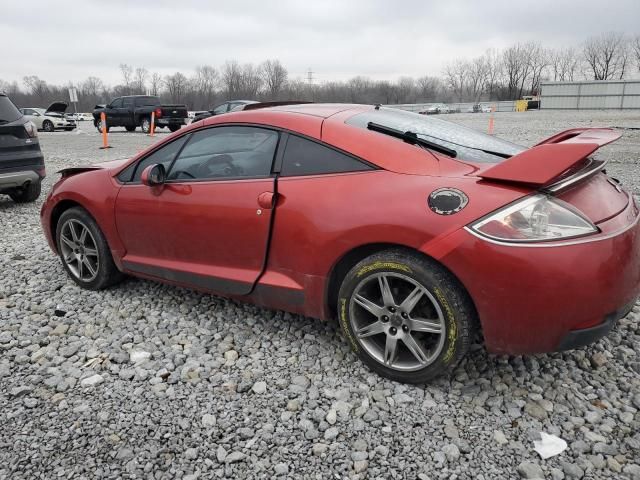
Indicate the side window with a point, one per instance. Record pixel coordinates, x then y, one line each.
226 152
221 108
127 102
117 103
305 157
163 155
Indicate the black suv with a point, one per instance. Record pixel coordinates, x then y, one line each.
21 161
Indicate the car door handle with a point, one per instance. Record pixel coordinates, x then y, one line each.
266 200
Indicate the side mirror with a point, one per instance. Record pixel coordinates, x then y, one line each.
153 175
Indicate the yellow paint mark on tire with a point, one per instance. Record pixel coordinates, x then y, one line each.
345 325
452 333
377 265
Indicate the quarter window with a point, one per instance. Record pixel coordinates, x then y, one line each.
226 152
305 157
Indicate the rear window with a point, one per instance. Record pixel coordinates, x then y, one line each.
147 101
8 111
468 143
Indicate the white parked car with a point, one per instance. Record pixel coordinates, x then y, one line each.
486 109
51 118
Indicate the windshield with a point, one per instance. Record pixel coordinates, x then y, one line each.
8 111
468 143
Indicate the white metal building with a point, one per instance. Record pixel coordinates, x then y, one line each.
602 94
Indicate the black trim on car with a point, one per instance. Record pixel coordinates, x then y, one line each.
205 282
261 293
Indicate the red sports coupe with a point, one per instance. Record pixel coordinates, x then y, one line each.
416 233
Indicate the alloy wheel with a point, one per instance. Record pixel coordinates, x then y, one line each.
397 321
79 250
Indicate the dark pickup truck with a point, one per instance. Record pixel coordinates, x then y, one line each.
135 111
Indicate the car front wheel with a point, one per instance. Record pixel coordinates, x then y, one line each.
47 126
405 316
84 250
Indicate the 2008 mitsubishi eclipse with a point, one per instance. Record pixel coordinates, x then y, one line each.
415 232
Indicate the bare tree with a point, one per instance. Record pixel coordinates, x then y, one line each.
564 64
232 78
477 72
494 71
176 86
635 45
539 60
141 75
606 55
127 75
206 82
37 87
428 88
155 83
455 77
251 81
274 77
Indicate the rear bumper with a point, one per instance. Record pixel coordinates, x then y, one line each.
18 179
18 168
162 121
536 300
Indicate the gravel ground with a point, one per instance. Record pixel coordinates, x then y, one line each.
151 381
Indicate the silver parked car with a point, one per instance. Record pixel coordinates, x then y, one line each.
50 119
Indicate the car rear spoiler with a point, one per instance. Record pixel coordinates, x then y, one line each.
549 159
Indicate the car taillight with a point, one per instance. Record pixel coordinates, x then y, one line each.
534 219
158 112
31 129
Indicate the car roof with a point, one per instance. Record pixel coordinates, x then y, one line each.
326 122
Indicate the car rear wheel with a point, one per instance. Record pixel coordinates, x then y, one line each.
27 194
145 124
47 126
131 128
405 316
174 128
84 251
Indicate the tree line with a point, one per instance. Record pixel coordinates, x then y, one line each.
505 74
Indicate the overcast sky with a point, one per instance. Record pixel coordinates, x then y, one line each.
66 40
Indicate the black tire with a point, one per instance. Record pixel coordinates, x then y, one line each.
106 272
98 124
27 194
442 297
174 128
47 126
145 124
130 128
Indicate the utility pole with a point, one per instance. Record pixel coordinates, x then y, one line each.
310 76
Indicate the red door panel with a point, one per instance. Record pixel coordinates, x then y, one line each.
211 235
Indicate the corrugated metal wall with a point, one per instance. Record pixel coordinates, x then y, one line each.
607 94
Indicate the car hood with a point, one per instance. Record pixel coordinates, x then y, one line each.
111 163
57 107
